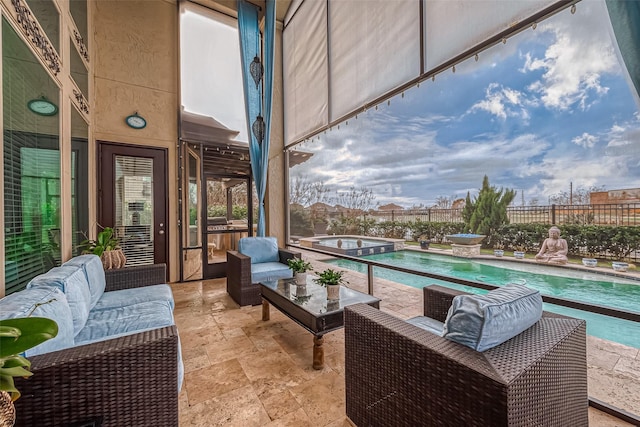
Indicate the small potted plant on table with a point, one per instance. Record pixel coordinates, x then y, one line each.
300 269
331 279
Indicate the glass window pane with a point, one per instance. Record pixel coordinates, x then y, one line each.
210 68
79 174
78 10
48 17
31 166
134 208
79 72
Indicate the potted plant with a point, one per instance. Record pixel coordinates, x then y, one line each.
519 252
331 279
498 249
424 242
107 247
17 336
300 268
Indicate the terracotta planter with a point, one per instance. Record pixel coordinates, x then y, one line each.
113 259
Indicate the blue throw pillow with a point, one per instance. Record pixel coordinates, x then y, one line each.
485 321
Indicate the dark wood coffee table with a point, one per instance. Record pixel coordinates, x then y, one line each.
307 305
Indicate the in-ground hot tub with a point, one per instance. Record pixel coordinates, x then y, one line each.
353 245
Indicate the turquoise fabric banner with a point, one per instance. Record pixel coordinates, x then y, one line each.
255 99
625 20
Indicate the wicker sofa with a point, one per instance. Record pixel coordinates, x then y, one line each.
399 374
258 259
129 379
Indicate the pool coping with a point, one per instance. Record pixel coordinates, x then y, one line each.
634 276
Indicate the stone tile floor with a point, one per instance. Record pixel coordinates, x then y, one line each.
241 371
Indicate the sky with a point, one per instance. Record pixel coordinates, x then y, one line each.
550 108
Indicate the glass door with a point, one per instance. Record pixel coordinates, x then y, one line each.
133 200
227 218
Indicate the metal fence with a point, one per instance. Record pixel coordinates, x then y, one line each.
627 214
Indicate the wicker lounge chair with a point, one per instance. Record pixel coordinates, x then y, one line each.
240 285
401 375
127 381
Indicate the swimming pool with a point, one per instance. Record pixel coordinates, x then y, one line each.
578 285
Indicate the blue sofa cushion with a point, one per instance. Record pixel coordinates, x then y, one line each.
122 297
427 323
260 249
94 271
49 302
129 319
72 281
485 321
125 320
269 271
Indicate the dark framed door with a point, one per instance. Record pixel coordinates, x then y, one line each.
132 198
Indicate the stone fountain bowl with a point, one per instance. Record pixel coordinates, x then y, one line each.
465 239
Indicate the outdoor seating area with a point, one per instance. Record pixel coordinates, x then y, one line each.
117 346
240 370
402 373
257 259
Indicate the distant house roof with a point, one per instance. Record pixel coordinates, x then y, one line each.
390 207
319 206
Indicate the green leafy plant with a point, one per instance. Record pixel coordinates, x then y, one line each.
105 241
330 277
16 336
298 265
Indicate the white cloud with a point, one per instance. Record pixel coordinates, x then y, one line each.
585 140
502 102
573 65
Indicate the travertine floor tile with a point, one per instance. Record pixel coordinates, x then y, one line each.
242 371
213 381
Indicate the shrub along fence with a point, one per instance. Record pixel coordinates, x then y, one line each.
593 241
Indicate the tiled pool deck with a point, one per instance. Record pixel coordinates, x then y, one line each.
246 372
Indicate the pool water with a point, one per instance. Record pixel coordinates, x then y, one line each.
584 286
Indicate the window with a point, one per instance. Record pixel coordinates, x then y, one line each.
31 166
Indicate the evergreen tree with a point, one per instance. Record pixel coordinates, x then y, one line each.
489 210
467 212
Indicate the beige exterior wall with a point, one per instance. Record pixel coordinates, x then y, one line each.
135 45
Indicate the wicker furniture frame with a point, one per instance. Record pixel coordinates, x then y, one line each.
401 375
239 284
126 381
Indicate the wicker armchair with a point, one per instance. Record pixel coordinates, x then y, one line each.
401 375
239 284
126 381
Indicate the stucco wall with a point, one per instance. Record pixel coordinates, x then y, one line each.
137 70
